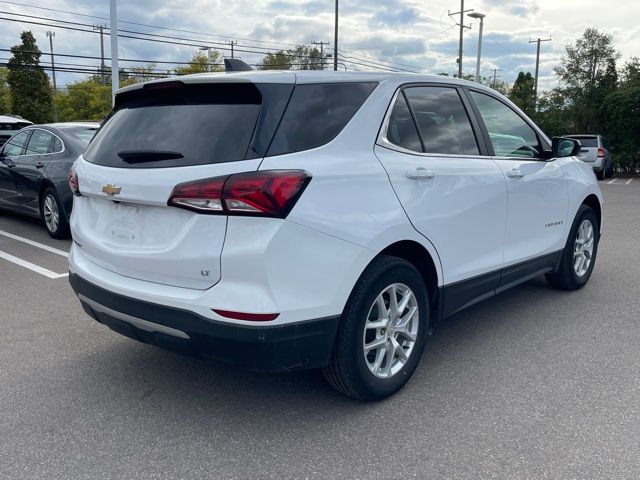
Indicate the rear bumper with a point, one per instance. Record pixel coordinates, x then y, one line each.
272 348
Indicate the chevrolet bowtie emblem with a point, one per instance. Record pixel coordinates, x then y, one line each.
111 190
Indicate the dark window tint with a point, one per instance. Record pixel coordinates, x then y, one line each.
442 120
316 114
402 129
179 125
12 126
510 135
39 142
14 145
589 142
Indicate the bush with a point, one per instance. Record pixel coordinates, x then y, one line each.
627 162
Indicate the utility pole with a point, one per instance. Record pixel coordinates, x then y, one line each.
232 43
100 28
479 16
53 75
322 44
335 42
495 77
53 65
535 87
115 71
462 27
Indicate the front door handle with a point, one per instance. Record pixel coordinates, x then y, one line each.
39 165
515 173
420 174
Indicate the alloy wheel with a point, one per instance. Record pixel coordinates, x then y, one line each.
583 248
51 213
391 330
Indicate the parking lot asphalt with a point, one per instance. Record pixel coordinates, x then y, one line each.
533 383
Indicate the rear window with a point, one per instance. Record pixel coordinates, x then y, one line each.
183 125
83 135
588 142
317 113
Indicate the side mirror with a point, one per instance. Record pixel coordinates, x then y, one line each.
565 147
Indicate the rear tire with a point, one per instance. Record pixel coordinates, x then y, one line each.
600 174
393 337
580 251
53 216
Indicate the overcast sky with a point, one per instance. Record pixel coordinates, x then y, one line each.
410 34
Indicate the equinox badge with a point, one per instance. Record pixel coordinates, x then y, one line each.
111 189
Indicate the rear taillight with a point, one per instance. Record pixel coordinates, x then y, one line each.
600 152
73 182
270 193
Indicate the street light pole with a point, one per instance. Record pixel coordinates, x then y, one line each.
115 71
335 41
480 16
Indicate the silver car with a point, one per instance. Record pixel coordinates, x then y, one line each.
594 152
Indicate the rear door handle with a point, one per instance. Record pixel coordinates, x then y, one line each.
39 164
420 174
515 173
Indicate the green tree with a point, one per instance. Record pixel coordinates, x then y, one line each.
621 108
84 100
523 92
5 91
298 58
587 74
202 62
31 92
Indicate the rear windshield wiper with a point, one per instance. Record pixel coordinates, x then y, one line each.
139 156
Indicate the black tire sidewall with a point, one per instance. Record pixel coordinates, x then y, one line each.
397 271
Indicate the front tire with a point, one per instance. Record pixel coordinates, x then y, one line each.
579 256
53 215
382 331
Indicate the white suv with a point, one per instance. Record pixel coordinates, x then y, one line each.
286 221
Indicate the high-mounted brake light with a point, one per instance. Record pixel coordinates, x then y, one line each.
269 193
73 182
600 152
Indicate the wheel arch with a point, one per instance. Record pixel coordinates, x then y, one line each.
44 184
593 202
419 256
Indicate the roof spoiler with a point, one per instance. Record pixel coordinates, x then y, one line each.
235 65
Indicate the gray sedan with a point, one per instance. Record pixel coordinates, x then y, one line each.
34 165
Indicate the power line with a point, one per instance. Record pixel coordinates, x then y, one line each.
144 24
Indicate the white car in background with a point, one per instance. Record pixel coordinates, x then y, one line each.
284 220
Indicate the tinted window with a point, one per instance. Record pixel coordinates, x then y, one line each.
402 130
56 145
178 126
510 135
39 142
442 121
12 126
83 135
589 142
14 145
316 114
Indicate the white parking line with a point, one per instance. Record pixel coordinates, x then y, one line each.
628 181
612 181
31 266
35 244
